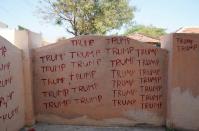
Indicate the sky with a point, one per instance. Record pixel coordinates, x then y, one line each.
168 14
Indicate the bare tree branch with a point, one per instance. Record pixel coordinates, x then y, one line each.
70 31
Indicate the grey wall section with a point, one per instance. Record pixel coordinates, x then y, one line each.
95 80
183 80
11 87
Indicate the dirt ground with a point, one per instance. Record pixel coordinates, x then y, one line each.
48 127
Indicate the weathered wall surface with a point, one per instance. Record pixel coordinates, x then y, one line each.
11 87
91 80
27 40
183 80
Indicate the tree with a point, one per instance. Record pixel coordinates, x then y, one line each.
150 31
81 17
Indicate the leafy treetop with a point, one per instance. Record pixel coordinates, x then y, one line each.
150 31
81 17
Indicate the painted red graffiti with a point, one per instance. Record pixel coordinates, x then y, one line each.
185 48
151 105
184 41
82 76
6 81
53 68
149 97
83 43
122 73
151 79
55 81
123 102
56 93
118 40
146 52
83 63
85 54
4 100
52 57
56 104
151 101
186 45
3 51
84 88
122 62
152 88
10 115
120 51
5 67
88 100
66 102
123 93
122 83
149 72
148 62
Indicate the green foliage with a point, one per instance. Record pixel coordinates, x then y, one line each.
151 31
81 17
170 129
21 28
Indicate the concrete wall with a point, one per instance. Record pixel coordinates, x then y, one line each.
34 39
93 80
22 39
8 34
183 81
103 81
11 87
26 41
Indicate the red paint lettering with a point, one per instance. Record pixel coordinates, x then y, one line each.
84 88
6 81
146 52
122 83
124 93
154 88
88 100
52 58
5 99
118 40
147 97
121 62
153 79
81 76
56 93
129 102
4 67
83 63
85 54
3 51
10 115
120 51
122 73
151 105
185 48
56 104
83 43
149 72
148 62
184 41
48 81
53 68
